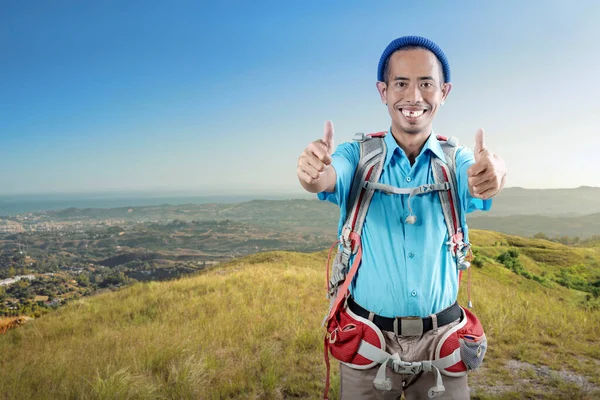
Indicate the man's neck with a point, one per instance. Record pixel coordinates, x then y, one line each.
411 143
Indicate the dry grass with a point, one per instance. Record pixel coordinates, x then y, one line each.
8 323
251 329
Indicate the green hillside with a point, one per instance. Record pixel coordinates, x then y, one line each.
251 329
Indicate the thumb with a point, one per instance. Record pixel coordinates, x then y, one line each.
328 136
479 142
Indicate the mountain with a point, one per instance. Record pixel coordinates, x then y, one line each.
511 201
250 328
518 201
528 225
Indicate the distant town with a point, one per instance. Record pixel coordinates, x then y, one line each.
50 258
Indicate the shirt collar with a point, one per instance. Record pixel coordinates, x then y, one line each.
432 144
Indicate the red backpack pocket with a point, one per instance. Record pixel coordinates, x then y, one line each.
469 336
345 333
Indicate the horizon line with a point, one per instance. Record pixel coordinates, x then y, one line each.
213 192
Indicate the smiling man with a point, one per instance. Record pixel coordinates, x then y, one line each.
407 272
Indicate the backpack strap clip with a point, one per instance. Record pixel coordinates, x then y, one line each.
360 137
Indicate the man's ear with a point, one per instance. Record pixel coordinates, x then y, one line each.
382 89
446 88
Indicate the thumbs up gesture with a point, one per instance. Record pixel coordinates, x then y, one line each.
314 164
487 175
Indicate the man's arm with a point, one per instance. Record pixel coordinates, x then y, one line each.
315 172
488 175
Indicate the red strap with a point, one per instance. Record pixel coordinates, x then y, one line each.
469 286
442 138
360 197
452 206
327 265
326 347
378 134
342 292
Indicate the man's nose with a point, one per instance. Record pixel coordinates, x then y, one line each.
413 94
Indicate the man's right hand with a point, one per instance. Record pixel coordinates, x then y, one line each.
314 164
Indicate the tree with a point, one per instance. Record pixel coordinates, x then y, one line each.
541 235
510 259
83 279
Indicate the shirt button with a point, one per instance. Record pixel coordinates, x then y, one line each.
408 179
411 254
413 293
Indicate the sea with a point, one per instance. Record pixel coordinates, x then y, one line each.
11 205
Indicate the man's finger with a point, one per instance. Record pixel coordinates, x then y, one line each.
487 175
480 179
486 194
328 135
306 177
483 187
315 163
476 169
310 171
318 149
479 142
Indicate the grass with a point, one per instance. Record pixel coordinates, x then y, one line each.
252 329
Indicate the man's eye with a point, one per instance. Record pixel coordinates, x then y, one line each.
427 84
400 84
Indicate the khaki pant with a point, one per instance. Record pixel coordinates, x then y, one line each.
358 384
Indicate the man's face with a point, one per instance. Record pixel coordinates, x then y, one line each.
414 90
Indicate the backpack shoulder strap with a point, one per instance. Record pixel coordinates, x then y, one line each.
370 165
445 171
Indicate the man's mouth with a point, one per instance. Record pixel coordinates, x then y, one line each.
412 114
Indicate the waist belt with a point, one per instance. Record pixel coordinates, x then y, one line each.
407 326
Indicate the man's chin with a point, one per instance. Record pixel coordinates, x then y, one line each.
412 129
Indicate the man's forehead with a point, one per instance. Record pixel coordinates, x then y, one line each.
414 61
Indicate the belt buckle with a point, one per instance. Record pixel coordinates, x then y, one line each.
409 326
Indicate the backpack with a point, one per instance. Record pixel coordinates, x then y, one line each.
356 341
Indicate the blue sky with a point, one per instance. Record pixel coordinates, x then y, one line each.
216 97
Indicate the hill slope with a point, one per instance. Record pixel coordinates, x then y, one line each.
251 329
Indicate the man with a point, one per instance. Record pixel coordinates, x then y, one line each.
406 268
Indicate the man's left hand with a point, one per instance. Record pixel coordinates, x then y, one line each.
487 175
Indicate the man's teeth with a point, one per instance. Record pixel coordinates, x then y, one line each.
413 114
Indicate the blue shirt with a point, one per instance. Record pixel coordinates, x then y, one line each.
406 270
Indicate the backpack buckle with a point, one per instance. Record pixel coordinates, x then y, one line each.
345 236
360 137
462 256
407 367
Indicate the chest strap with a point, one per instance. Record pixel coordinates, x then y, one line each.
416 191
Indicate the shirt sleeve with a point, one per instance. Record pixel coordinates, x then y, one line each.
464 160
344 161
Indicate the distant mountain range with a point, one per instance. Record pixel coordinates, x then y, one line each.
518 201
512 201
517 211
581 226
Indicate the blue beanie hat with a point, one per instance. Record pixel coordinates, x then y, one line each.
413 41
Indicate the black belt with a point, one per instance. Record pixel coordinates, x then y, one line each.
408 326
